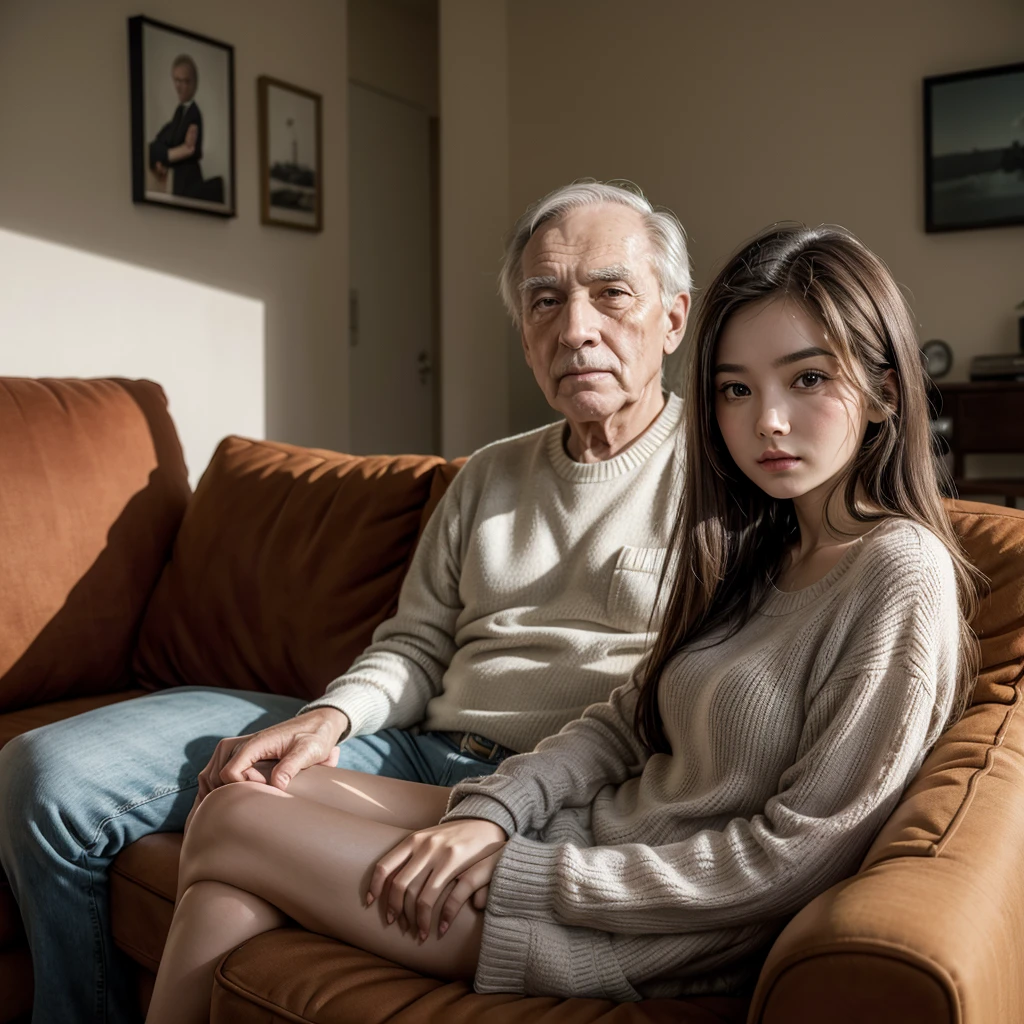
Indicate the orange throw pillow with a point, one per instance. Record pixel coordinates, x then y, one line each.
287 559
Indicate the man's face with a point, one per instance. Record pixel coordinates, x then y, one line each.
184 82
594 328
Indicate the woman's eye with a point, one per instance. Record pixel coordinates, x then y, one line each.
735 390
811 378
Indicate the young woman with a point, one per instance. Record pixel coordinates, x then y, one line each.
814 645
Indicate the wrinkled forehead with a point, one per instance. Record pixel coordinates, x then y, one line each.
587 239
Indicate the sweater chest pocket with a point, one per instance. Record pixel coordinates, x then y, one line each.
634 588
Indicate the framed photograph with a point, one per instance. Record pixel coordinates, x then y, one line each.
183 118
974 149
291 161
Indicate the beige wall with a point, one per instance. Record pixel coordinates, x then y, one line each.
739 115
392 46
474 217
65 178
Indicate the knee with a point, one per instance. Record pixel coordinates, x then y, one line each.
227 819
24 781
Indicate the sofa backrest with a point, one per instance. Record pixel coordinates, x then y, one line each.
286 561
92 489
993 538
930 810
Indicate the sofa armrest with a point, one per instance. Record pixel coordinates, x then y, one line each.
932 928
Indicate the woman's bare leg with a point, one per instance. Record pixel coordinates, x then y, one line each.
301 859
408 805
210 918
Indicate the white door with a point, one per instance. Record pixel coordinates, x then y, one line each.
391 265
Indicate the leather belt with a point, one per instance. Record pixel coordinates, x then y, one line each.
479 746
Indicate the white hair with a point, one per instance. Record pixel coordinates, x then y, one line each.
668 240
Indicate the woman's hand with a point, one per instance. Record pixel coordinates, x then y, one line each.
413 877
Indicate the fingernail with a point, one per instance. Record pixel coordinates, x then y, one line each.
423 936
369 898
444 927
391 918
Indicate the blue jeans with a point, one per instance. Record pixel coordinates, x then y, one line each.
75 793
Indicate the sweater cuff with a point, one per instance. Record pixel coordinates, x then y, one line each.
544 959
504 955
525 880
360 702
480 806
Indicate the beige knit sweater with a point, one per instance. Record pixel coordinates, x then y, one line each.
627 876
530 594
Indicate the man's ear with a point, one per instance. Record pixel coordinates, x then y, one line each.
875 414
677 314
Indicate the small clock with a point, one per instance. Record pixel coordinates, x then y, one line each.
938 358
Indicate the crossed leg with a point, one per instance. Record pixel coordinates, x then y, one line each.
255 858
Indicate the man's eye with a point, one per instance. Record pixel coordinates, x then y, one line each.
735 390
546 302
614 293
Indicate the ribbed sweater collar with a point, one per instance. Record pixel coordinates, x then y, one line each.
783 602
661 430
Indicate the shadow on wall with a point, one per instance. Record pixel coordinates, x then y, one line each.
68 313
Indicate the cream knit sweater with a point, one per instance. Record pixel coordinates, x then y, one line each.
530 594
627 876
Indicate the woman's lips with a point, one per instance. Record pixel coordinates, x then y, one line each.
777 465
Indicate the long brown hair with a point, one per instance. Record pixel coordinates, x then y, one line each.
729 539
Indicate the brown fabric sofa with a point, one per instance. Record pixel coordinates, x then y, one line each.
272 576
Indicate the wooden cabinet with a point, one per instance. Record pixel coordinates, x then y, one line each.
982 418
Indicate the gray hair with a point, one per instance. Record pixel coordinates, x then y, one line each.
668 240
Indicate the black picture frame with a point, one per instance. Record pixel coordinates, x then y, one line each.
974 149
168 122
291 157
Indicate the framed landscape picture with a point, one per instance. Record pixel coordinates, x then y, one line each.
974 149
182 118
291 161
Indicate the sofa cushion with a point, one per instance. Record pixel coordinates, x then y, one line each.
936 800
93 489
143 885
286 561
292 975
16 985
993 538
444 474
11 932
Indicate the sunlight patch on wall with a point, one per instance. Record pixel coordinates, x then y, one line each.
68 313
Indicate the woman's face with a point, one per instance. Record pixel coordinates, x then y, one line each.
789 420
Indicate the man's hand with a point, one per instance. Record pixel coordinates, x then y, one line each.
296 744
413 877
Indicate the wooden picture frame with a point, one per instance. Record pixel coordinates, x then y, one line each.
974 149
182 118
291 155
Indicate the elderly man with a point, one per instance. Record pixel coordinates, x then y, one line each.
179 143
531 596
